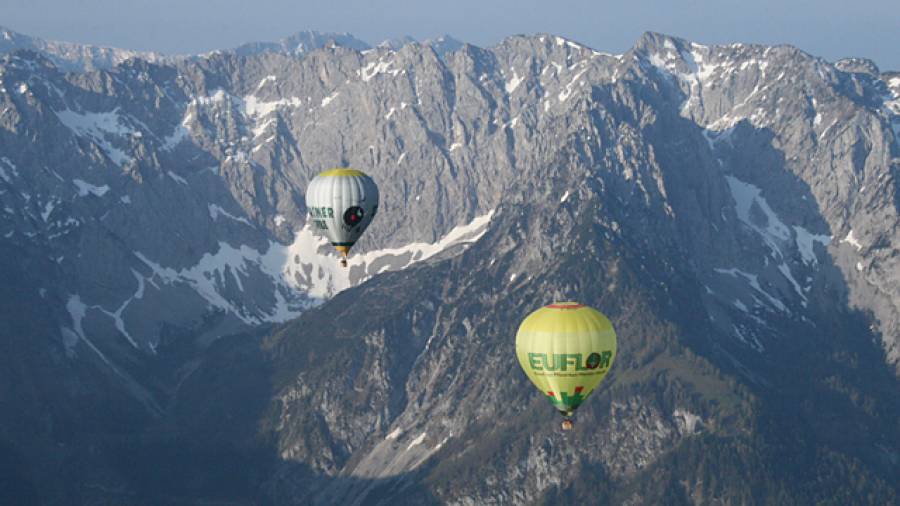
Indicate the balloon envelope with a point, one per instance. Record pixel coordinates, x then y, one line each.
342 204
566 349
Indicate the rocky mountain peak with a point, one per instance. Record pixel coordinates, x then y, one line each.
302 42
858 65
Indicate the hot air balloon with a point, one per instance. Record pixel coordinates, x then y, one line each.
566 349
342 203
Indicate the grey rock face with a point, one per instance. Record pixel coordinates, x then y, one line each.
787 135
733 207
231 142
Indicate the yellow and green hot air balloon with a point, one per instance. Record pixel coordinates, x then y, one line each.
566 349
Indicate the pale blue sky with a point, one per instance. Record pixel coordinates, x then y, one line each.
829 28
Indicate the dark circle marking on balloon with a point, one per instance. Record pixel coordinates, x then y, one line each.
353 216
593 361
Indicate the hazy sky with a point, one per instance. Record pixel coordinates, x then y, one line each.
829 28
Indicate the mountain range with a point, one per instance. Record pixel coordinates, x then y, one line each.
173 332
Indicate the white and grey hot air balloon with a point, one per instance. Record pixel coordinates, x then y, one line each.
342 204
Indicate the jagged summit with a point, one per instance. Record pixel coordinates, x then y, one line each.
302 42
397 42
445 44
860 65
72 56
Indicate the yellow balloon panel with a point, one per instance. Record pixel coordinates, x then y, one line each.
566 349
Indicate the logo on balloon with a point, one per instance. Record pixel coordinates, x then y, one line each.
353 216
568 361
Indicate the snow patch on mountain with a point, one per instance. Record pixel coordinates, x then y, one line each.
852 241
101 127
698 69
753 281
747 337
215 211
514 82
753 210
560 41
890 106
687 422
254 107
302 274
117 315
327 100
77 312
208 279
180 133
417 441
250 106
805 241
380 66
786 272
175 177
265 80
11 166
48 208
85 188
570 86
314 266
